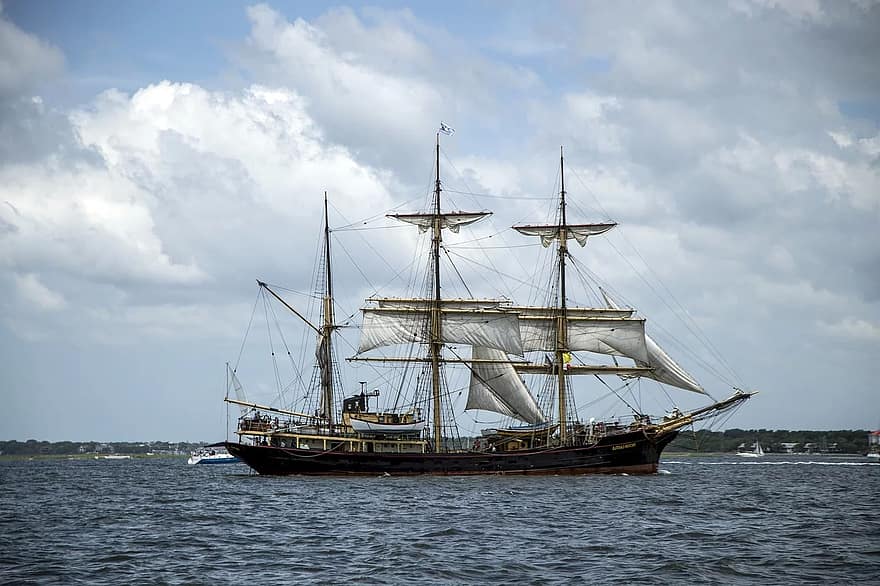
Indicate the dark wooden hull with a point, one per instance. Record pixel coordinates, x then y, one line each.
631 453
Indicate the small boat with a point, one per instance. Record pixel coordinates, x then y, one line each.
212 455
380 426
113 457
756 452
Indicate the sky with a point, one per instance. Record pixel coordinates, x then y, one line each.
158 157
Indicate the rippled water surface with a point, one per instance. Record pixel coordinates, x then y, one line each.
778 520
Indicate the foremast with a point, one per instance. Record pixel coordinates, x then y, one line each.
325 346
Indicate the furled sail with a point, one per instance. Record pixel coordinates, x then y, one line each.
496 387
579 232
618 336
572 312
488 328
322 354
451 220
665 369
425 304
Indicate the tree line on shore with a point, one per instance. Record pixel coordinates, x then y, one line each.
773 441
44 448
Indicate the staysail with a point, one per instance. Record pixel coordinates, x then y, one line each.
238 390
665 369
495 386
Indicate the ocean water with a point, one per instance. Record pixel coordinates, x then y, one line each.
702 520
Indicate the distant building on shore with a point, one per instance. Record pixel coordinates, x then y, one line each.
874 442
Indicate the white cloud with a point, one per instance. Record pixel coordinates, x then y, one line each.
589 116
853 329
171 322
35 293
84 221
858 182
342 68
808 10
659 67
381 81
189 187
25 60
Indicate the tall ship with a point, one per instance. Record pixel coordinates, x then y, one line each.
522 363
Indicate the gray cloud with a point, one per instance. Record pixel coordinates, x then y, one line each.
25 60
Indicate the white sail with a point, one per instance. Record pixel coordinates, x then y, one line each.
615 336
579 232
665 369
237 389
488 328
498 388
757 452
451 220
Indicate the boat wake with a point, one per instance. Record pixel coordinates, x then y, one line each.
780 463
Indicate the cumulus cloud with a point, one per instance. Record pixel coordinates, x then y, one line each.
351 93
84 221
372 81
25 60
853 329
35 293
165 203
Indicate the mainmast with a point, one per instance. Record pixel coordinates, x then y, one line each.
436 332
325 350
561 318
477 323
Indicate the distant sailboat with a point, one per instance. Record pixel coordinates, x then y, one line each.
757 452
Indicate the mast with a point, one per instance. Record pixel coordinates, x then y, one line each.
436 333
400 321
558 321
325 348
561 319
